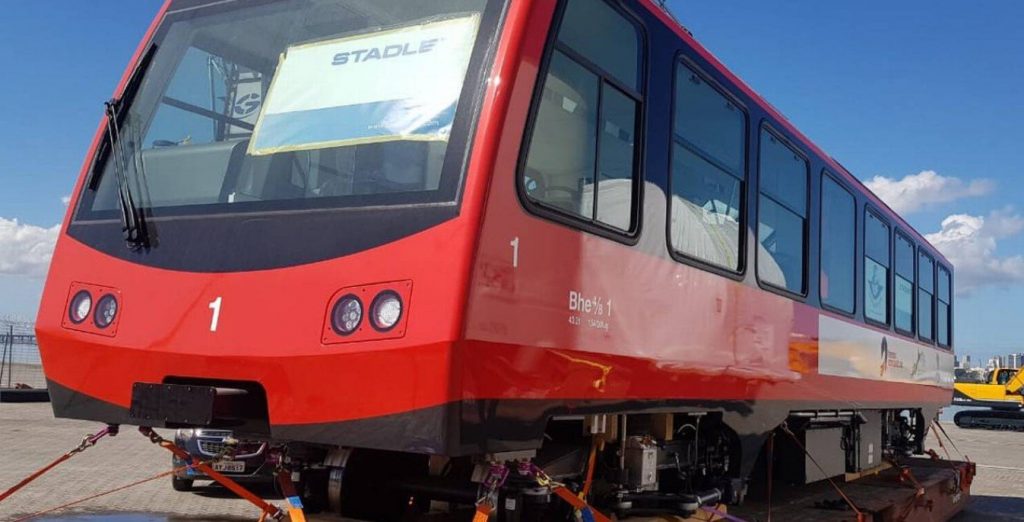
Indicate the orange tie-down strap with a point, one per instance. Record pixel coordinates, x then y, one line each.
267 508
588 513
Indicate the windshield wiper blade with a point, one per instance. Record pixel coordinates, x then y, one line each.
133 223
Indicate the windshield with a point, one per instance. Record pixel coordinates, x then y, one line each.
296 105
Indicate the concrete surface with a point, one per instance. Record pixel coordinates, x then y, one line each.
30 437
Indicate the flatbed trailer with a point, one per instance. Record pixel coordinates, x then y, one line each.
920 489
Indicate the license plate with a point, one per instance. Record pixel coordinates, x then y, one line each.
168 404
229 466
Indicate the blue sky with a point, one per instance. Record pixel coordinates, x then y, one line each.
924 95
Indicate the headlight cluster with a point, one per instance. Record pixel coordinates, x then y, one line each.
83 306
374 311
385 312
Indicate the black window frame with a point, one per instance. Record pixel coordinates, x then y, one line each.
912 333
889 277
827 174
551 45
949 306
767 126
924 253
682 257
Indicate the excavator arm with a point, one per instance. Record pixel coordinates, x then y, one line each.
1016 383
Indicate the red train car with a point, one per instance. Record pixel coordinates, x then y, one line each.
425 237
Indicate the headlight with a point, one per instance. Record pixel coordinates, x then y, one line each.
106 311
346 315
386 310
81 306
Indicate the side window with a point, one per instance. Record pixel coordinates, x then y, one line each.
942 312
838 234
708 172
782 215
904 286
876 268
925 296
1004 376
582 155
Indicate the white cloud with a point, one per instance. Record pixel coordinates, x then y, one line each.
970 243
925 188
65 200
25 250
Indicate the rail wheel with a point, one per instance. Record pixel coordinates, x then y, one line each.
365 487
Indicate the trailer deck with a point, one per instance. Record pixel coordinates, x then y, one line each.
922 489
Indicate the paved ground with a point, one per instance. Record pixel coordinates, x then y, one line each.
30 437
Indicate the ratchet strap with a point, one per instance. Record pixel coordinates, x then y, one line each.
587 513
284 478
861 517
87 442
267 508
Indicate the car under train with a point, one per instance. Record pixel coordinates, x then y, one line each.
557 233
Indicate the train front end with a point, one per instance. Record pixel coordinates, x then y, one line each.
272 231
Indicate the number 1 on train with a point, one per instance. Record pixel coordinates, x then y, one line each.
215 318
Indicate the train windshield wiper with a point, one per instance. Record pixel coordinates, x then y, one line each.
133 222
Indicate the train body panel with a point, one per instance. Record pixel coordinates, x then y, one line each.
514 315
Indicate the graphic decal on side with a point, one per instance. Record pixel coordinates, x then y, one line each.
850 350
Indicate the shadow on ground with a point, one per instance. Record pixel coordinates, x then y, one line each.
992 508
214 490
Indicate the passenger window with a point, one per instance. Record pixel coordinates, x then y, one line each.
598 32
925 296
582 155
708 173
904 287
838 238
782 215
876 269
942 313
615 160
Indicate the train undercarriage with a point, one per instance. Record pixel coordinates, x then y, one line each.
636 465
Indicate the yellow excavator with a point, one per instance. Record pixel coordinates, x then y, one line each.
1000 395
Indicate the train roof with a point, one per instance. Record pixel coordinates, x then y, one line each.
666 17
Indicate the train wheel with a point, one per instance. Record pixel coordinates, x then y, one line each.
366 488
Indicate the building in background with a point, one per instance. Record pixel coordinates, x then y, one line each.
1013 360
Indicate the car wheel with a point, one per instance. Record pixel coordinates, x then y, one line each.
181 484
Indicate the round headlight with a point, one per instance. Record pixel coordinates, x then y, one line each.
346 315
386 310
106 311
80 307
